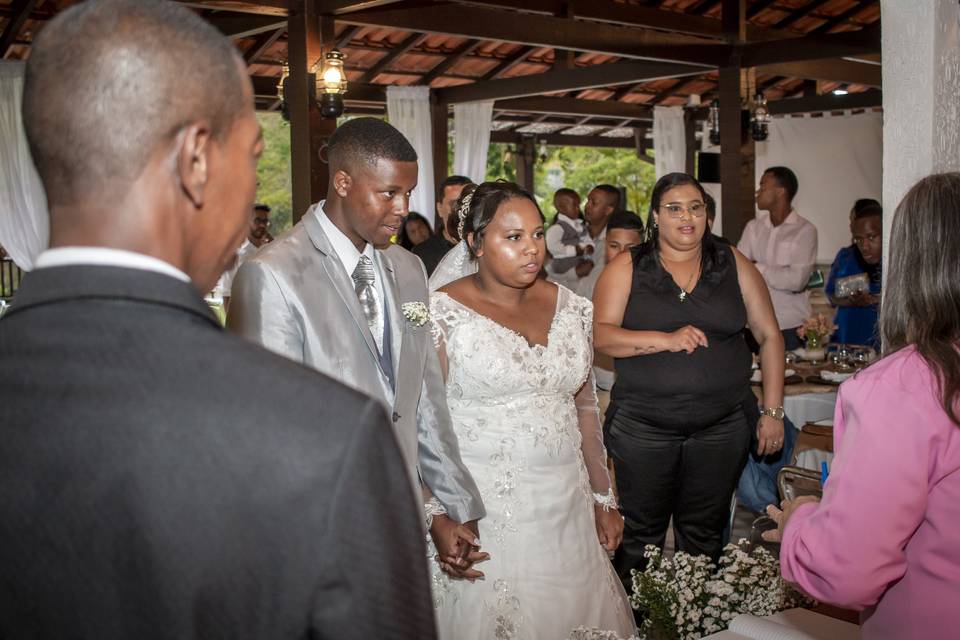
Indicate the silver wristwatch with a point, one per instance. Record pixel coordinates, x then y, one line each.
774 412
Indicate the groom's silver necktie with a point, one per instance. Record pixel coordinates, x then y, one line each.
363 278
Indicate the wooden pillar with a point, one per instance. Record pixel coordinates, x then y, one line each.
309 37
737 198
526 153
441 146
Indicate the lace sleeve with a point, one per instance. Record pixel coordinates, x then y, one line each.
439 325
591 431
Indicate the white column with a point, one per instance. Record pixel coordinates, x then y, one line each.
921 85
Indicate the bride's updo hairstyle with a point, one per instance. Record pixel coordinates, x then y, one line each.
478 205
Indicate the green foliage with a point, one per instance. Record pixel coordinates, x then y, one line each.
273 172
580 169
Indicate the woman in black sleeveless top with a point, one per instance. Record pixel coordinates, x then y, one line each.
672 313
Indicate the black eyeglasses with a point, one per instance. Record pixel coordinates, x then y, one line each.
262 220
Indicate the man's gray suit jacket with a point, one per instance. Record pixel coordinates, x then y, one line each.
295 298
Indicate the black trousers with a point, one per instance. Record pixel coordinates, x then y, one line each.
687 474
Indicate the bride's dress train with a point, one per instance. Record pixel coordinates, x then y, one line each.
521 414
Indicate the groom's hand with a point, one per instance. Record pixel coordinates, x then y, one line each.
458 547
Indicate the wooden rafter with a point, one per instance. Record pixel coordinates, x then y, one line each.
451 59
802 12
263 42
21 11
669 92
832 45
510 62
610 74
759 7
401 48
703 7
842 17
346 36
546 31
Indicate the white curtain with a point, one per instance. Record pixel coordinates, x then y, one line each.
408 109
669 140
471 138
24 226
837 159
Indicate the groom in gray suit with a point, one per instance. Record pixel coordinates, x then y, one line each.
336 295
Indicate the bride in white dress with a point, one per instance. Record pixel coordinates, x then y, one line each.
517 356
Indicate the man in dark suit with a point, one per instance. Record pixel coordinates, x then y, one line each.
431 251
140 495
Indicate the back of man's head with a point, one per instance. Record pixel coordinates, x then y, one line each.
625 220
105 89
612 194
451 181
365 141
787 179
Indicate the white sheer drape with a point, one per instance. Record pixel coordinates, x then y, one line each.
669 140
24 226
471 138
408 109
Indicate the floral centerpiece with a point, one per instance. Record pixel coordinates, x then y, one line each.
688 597
815 330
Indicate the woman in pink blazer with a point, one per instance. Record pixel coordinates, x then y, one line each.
885 539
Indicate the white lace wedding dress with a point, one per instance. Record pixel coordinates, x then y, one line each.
527 423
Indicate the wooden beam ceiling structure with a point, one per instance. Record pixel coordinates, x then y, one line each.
20 12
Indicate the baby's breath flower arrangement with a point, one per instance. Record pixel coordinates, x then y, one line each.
687 597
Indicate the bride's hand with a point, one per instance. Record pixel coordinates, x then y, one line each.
609 527
458 547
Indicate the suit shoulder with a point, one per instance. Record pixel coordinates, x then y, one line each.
405 260
289 242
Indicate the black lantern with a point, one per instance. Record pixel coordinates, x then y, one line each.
331 85
713 122
760 119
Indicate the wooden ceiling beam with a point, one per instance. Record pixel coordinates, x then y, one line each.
758 7
343 40
575 107
560 140
340 7
21 12
266 86
239 25
509 63
263 42
842 17
603 75
392 54
452 58
545 31
833 70
802 12
831 45
826 102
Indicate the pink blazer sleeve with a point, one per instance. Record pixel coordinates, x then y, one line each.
850 547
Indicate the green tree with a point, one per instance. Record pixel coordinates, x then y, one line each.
273 173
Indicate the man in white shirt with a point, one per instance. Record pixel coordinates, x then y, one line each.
783 245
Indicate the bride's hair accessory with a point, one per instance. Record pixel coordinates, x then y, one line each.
463 211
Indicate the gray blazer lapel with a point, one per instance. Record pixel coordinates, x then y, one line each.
341 282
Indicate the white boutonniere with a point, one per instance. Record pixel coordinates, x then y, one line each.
416 313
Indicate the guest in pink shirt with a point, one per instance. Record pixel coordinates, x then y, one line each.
885 540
